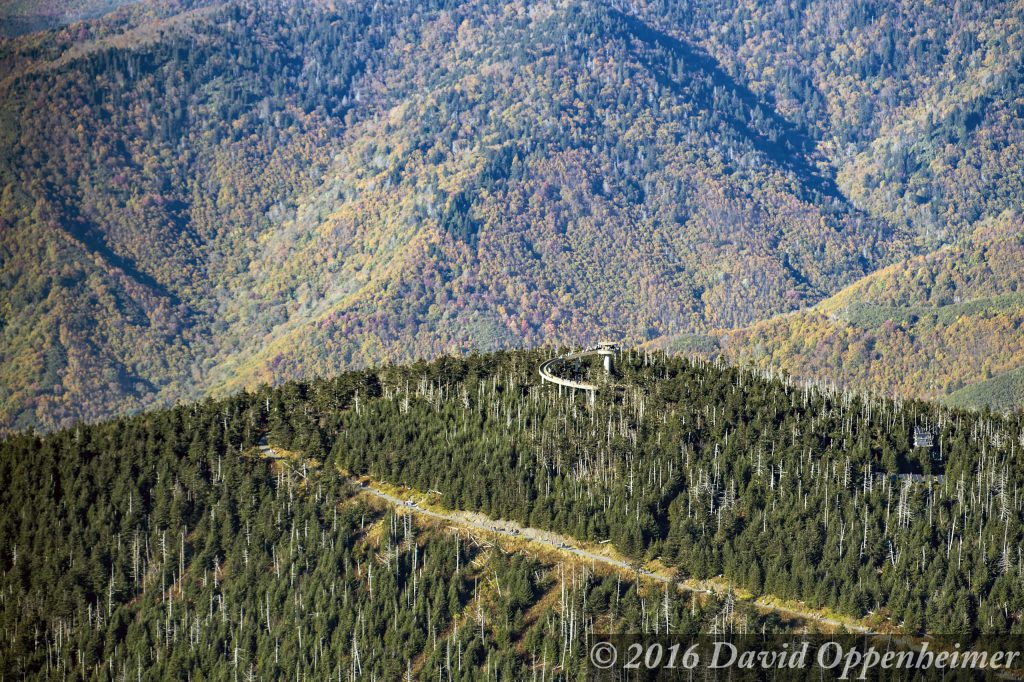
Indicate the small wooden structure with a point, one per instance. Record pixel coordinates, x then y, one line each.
923 437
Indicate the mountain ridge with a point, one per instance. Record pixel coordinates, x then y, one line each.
346 188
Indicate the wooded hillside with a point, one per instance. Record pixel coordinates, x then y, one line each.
201 196
164 542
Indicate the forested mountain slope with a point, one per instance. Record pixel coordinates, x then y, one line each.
216 565
706 467
162 542
946 325
24 16
916 103
164 545
230 209
199 196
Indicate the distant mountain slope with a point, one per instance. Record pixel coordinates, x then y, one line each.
525 199
132 197
254 193
24 16
917 104
930 326
199 196
1001 393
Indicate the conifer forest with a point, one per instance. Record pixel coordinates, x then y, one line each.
439 339
164 543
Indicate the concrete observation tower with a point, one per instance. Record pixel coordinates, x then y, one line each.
606 349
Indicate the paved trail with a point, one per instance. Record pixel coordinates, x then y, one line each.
544 538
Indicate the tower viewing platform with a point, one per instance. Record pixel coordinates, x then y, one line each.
607 350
